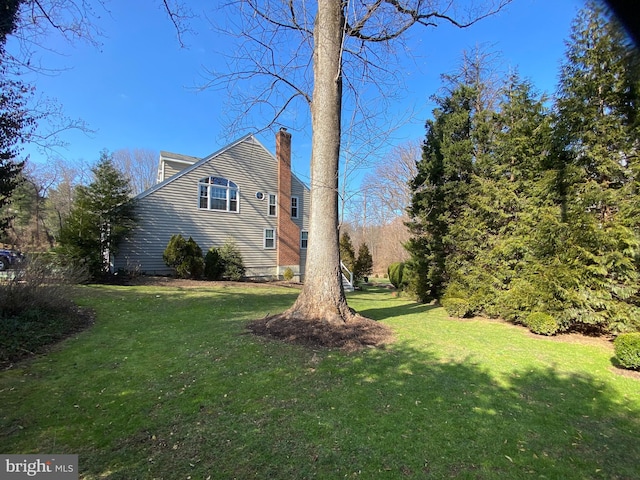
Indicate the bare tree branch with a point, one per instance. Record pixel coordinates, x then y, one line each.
179 14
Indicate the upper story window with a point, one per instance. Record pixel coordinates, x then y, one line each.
294 207
218 194
272 205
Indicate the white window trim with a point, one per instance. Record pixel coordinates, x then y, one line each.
301 245
228 199
274 205
265 238
297 215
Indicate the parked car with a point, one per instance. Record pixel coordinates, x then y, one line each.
9 258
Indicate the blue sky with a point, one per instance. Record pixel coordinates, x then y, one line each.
138 90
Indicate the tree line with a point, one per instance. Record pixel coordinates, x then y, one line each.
43 195
523 204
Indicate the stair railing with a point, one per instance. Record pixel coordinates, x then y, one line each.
349 273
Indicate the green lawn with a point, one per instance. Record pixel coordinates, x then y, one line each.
167 384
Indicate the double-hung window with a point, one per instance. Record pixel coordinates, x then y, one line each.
272 205
218 193
269 238
294 207
304 239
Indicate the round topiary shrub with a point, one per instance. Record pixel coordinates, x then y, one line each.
627 350
457 307
541 323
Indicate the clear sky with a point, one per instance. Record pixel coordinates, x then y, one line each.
138 90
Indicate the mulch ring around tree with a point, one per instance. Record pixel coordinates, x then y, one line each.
349 336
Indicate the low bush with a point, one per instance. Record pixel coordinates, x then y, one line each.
213 264
396 275
225 263
288 274
541 323
36 309
232 260
627 350
457 307
185 256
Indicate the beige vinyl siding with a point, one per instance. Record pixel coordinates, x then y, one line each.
171 168
300 190
173 163
173 208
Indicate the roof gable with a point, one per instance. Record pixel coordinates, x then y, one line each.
247 138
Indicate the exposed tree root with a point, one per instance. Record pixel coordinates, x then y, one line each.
357 333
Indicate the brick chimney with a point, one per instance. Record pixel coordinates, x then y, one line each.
288 234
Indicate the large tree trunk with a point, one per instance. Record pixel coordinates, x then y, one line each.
322 297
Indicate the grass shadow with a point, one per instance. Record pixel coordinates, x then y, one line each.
166 387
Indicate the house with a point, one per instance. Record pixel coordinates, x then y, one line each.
241 193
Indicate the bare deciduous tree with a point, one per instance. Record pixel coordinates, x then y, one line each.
63 178
385 241
139 165
378 212
303 49
35 22
387 187
28 27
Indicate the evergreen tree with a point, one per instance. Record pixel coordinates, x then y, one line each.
232 260
516 211
440 192
101 215
364 262
347 252
16 122
511 196
16 126
597 135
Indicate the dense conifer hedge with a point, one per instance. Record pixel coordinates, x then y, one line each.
521 205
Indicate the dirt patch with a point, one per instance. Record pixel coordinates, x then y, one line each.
349 336
626 373
605 341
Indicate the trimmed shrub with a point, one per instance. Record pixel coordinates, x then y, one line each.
457 307
213 264
395 272
627 350
288 274
541 323
185 256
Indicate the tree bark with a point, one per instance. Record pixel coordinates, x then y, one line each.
322 297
